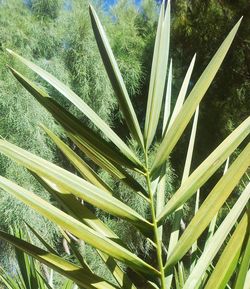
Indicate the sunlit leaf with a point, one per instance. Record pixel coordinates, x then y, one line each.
211 205
77 228
75 185
83 278
172 136
81 105
218 239
207 168
158 74
229 258
115 77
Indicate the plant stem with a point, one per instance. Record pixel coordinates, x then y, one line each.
156 236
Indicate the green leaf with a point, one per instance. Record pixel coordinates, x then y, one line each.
82 106
7 280
228 260
182 93
68 285
195 249
247 281
41 239
75 250
43 283
96 148
73 207
172 136
190 152
75 185
77 228
160 188
175 230
206 169
115 77
218 239
71 124
23 263
211 206
212 224
76 209
114 169
158 74
245 262
167 105
83 278
81 166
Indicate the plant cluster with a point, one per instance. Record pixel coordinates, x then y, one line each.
212 265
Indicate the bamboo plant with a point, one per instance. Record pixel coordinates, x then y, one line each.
168 268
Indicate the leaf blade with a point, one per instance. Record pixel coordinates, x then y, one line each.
158 74
77 228
82 167
229 258
74 184
73 272
71 124
115 77
211 205
73 207
245 264
182 93
218 239
81 105
172 136
206 169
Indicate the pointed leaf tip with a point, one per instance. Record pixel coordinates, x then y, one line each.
115 77
195 96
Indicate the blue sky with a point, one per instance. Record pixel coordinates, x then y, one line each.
108 3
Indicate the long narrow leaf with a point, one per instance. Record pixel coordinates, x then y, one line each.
182 93
158 74
219 237
76 209
212 225
211 205
74 250
96 148
161 182
115 170
167 105
76 228
247 281
81 212
115 77
71 124
175 230
41 239
194 98
245 262
206 169
7 280
229 258
82 106
194 249
84 278
82 167
75 185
